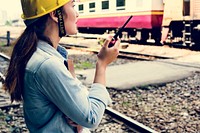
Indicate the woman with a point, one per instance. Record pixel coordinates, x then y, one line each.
37 74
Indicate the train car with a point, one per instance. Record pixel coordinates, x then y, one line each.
97 16
181 22
164 21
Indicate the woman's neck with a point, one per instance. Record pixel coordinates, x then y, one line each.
52 33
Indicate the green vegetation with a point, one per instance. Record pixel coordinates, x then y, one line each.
126 104
2 44
139 97
173 107
84 65
8 23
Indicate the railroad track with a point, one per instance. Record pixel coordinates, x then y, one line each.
4 62
139 56
133 125
5 103
5 57
122 54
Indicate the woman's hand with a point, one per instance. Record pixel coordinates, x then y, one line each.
78 127
106 54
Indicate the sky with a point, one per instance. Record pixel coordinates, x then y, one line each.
12 7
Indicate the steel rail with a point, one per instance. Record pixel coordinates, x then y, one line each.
7 58
2 77
132 124
122 53
147 55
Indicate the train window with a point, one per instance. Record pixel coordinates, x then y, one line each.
186 8
92 7
105 5
80 8
120 4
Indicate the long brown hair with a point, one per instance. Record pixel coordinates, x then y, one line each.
24 48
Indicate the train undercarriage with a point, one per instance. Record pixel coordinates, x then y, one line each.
131 35
186 33
182 33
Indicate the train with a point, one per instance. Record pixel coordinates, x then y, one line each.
159 21
181 22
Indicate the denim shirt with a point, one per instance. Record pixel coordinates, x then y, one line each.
51 94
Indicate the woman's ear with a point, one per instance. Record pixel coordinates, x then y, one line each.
53 16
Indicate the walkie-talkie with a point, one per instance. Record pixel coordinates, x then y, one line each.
114 39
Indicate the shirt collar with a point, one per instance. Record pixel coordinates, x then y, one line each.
62 51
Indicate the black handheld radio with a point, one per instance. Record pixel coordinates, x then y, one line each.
114 39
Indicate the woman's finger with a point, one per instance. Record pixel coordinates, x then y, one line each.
117 43
107 41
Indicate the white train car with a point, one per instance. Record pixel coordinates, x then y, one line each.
162 20
195 9
97 16
182 20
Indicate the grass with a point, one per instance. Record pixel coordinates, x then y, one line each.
126 104
2 44
173 107
84 65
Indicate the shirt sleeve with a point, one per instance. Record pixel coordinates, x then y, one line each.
69 95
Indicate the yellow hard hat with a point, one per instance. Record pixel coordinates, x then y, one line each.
36 8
